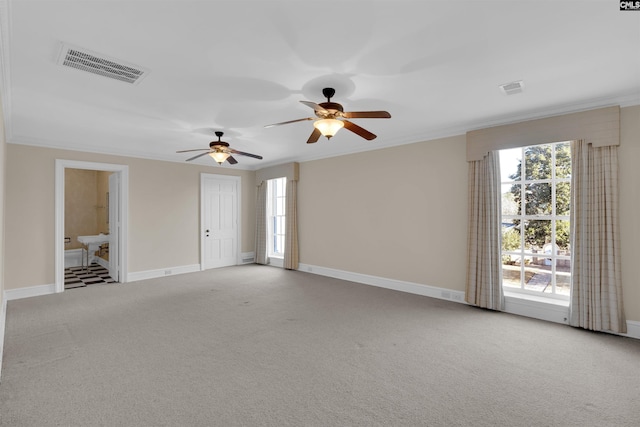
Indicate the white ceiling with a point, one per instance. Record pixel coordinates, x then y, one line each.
237 66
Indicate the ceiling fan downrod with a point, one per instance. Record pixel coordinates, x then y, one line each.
328 93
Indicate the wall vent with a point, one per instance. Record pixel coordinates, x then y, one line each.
91 62
512 88
248 257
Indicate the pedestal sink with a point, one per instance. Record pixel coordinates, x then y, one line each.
91 245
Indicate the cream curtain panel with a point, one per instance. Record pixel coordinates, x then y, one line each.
484 266
596 288
261 224
291 226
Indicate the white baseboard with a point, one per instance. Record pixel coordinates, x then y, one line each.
102 262
72 258
162 272
381 282
3 322
552 311
633 329
31 291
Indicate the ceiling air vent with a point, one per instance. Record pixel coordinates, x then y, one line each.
91 62
512 88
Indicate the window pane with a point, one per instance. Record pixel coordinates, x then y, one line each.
538 199
279 206
510 273
537 275
510 199
563 284
562 237
536 234
563 198
511 235
280 240
510 164
563 160
538 162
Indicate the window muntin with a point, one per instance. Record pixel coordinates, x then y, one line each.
276 218
536 256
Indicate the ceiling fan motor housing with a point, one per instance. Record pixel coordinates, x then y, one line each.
218 144
334 109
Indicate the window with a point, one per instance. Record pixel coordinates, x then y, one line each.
536 194
276 202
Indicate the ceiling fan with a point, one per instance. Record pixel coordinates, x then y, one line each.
220 151
332 118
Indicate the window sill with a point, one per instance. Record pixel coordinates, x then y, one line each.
549 309
537 299
276 261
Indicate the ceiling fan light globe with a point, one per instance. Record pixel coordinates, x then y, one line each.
328 127
219 157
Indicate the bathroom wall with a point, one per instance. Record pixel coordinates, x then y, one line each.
102 188
85 204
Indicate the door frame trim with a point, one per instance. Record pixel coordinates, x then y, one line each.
123 170
238 181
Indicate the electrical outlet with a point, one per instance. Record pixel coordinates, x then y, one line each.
167 272
457 297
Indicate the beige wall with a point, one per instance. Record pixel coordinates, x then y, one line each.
398 213
401 213
629 159
164 212
3 169
102 184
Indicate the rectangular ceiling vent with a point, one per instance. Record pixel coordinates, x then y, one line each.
91 62
512 88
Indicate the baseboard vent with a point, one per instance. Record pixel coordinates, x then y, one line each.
247 258
91 62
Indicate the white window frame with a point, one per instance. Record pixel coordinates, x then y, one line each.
554 256
273 232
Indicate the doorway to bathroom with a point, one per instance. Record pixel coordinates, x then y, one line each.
107 207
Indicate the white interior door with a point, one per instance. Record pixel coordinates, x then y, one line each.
220 229
114 226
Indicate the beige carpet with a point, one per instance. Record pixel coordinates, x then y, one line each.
261 346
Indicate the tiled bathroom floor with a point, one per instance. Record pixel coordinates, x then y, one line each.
76 277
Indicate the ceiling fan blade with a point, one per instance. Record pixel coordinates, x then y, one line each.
367 115
358 130
231 160
315 106
197 149
315 135
290 121
199 155
242 153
